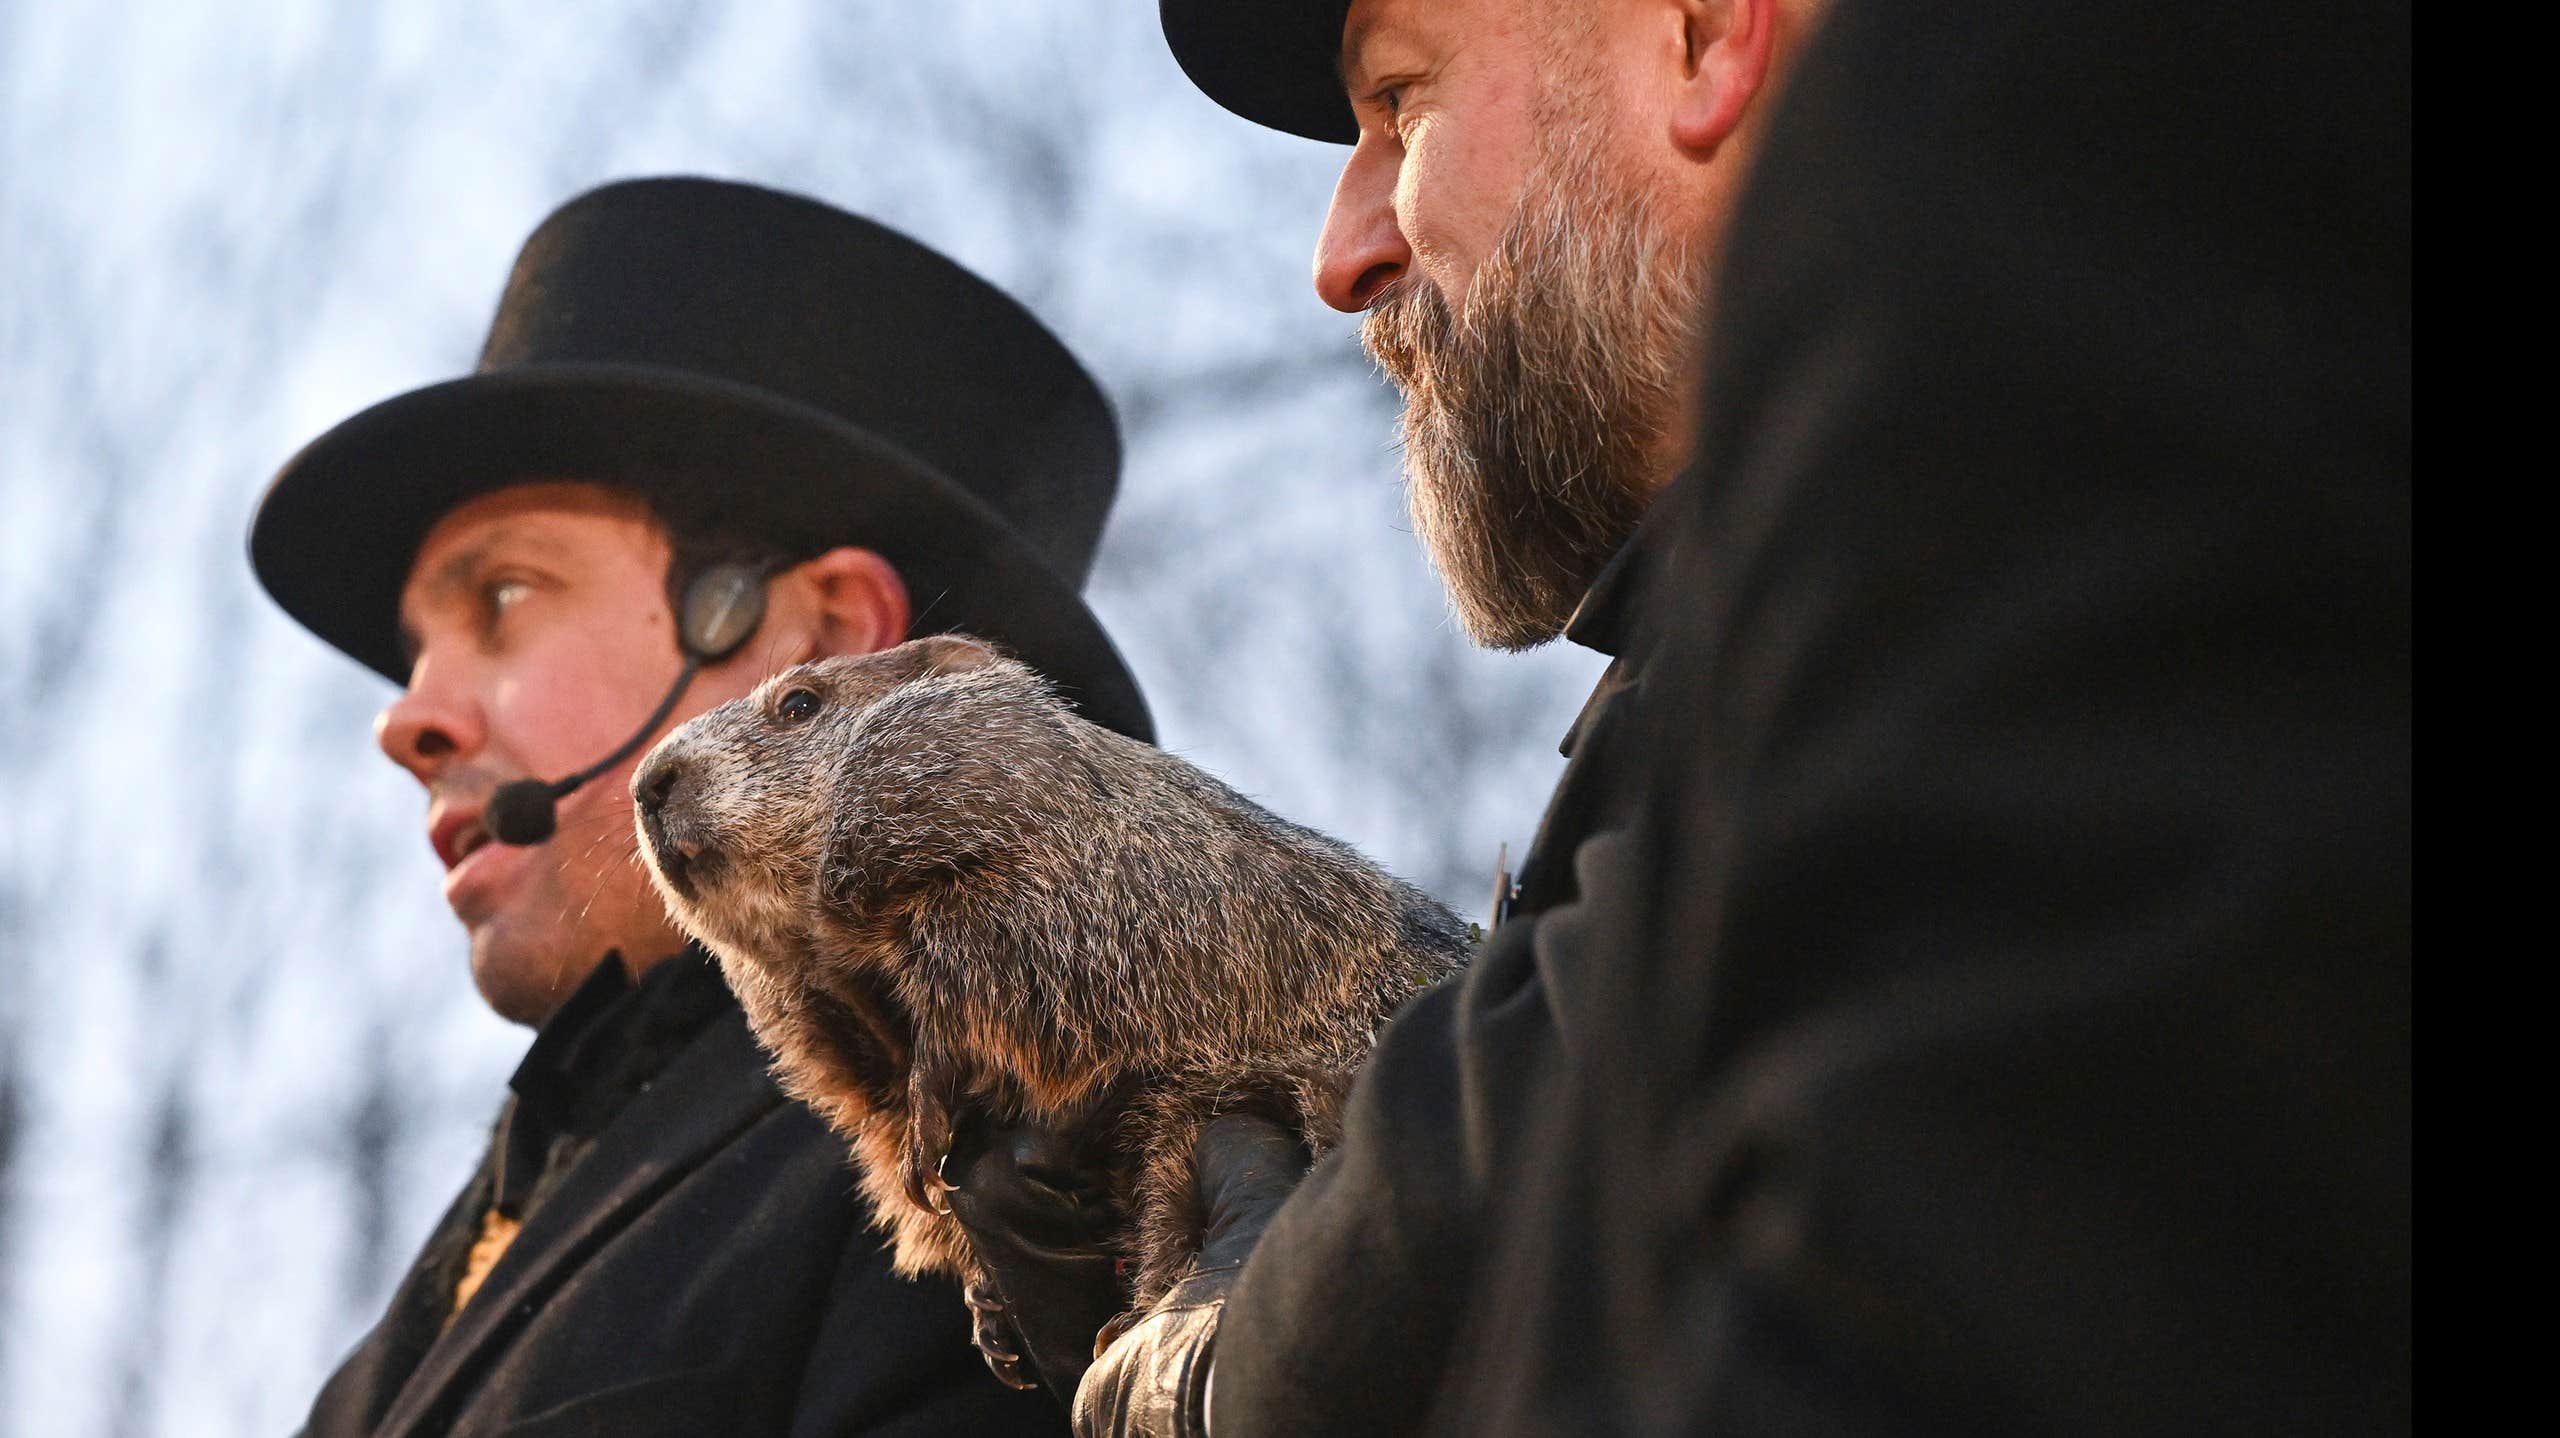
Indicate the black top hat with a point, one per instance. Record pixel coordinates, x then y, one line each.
1275 62
808 377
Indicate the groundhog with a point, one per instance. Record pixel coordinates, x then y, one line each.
934 887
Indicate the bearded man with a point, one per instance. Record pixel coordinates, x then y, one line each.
1961 984
1526 217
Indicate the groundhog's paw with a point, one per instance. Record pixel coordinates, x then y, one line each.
932 1088
920 1172
1110 1332
999 1342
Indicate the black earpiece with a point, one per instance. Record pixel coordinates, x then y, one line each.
721 609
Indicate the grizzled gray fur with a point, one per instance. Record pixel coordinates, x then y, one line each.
933 886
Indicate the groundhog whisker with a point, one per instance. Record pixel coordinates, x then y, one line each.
607 833
918 622
611 828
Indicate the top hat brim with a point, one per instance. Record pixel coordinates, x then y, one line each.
1275 62
334 538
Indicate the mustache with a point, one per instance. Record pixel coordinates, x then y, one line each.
472 784
468 783
1408 331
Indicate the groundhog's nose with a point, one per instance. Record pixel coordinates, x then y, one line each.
655 783
669 824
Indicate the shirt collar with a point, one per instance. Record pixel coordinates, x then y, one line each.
611 1025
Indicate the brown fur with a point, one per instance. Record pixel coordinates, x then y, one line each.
942 889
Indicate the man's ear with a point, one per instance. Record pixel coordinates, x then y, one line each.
1725 48
859 602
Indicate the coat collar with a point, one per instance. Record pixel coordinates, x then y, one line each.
605 1045
1601 620
712 1092
1604 622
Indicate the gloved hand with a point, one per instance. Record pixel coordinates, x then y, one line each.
1153 1379
1037 1210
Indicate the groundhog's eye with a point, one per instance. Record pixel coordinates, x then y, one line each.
797 707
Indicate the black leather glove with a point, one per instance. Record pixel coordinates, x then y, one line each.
1153 1380
1037 1210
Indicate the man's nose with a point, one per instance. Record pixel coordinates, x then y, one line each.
429 726
1363 249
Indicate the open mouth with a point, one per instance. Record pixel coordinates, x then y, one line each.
683 860
457 836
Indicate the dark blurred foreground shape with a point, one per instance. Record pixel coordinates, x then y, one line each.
1977 916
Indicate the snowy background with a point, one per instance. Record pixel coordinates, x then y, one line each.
241 1067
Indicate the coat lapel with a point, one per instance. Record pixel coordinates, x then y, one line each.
711 1093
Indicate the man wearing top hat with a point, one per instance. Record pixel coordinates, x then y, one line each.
1961 984
682 374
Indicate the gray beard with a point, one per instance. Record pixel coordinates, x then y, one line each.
1536 419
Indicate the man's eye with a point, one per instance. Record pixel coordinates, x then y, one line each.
498 598
797 707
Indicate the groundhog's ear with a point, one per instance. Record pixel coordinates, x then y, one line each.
954 654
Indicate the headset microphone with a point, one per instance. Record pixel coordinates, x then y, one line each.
722 607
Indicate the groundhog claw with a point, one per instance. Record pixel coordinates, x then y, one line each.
920 1170
1110 1332
929 1085
924 1186
998 1341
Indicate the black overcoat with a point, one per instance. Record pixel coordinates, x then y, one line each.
1963 983
705 1269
